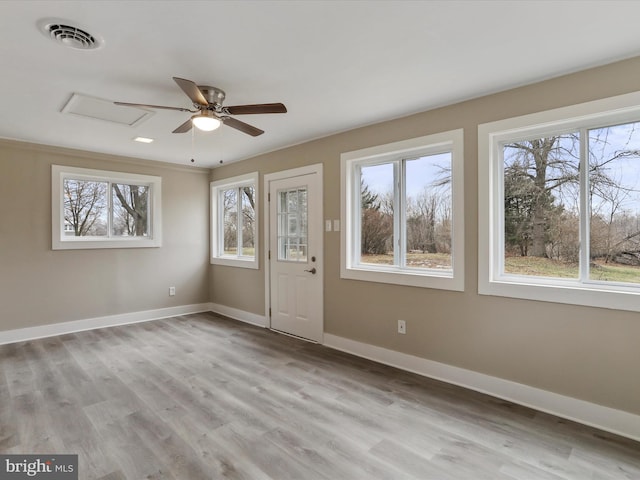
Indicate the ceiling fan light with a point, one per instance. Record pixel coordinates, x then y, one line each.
205 122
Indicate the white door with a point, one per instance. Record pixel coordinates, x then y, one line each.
295 250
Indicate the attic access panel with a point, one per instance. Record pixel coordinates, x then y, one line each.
100 109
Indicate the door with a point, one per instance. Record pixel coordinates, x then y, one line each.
295 255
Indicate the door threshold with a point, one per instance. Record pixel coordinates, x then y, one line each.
294 336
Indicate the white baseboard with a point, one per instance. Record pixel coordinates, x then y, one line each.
611 420
42 331
246 317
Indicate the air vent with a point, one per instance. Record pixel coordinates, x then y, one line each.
68 35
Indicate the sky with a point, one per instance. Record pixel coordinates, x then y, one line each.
420 172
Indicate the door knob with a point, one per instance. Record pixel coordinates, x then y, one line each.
313 270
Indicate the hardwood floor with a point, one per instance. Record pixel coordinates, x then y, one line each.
202 397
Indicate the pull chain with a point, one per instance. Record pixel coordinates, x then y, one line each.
193 134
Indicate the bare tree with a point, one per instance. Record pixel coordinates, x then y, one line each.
230 209
421 222
248 216
84 205
134 200
535 173
541 193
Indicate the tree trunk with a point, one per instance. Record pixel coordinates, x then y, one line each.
541 149
538 232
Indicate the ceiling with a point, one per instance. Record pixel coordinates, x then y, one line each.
336 65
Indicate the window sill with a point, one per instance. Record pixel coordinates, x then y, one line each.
568 292
236 262
97 243
423 279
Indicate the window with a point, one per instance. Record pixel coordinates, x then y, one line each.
234 221
102 209
560 205
402 212
292 225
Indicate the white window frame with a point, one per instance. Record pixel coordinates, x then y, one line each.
451 141
217 222
491 281
59 241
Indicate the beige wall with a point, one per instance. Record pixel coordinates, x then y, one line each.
41 286
587 353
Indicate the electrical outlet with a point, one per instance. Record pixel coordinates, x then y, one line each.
172 291
402 327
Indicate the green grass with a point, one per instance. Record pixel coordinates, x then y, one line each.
614 272
540 267
246 251
414 260
544 267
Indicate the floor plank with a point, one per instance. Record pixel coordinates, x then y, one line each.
204 397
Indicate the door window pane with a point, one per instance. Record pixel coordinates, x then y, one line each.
292 225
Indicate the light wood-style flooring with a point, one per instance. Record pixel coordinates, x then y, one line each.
203 397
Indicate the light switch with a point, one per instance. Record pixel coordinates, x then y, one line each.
336 225
327 225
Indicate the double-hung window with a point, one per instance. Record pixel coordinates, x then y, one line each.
559 206
234 222
104 209
402 212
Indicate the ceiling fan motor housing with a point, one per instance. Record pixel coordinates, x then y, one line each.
213 95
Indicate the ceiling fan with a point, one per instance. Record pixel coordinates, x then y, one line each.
210 113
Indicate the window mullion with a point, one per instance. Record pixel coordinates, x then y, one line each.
402 217
239 220
585 207
356 212
497 212
110 208
398 214
221 227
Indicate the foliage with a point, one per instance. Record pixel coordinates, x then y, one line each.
542 192
376 234
427 218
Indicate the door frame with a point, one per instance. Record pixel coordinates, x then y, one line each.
268 178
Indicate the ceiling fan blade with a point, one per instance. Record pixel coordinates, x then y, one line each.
192 91
243 127
144 105
185 127
259 108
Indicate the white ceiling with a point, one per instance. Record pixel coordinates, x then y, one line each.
336 65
